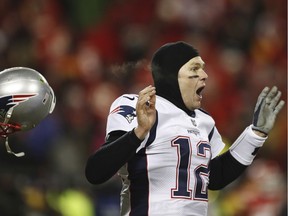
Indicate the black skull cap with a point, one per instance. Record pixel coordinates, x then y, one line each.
165 65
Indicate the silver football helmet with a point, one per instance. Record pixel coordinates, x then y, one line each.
25 100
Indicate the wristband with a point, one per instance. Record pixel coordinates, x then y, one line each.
244 149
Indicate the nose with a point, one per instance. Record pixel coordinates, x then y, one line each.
204 76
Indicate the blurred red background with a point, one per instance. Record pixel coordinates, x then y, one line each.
93 51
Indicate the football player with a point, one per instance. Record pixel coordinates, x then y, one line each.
166 148
25 100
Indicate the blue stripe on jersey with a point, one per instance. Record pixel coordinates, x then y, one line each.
138 176
139 185
211 134
152 135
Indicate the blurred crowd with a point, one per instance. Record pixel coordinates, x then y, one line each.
93 51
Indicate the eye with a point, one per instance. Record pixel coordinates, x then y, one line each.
194 68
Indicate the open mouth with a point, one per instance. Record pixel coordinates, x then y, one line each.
199 91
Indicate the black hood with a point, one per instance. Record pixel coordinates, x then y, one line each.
166 63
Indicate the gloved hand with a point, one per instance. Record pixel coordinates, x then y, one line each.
266 109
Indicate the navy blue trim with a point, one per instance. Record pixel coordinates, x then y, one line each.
193 114
211 134
139 184
152 135
138 176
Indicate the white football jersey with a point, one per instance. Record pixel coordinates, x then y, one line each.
169 173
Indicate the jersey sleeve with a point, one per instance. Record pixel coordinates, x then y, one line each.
122 114
217 145
214 137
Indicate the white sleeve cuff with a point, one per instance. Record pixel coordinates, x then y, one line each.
245 147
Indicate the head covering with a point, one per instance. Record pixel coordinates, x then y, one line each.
166 63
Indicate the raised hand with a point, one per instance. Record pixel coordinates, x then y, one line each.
145 111
266 110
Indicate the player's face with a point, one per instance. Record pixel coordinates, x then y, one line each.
191 79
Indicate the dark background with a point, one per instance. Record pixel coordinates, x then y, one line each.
92 51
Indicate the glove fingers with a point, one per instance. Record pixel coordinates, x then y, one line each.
262 95
267 108
273 92
279 107
275 100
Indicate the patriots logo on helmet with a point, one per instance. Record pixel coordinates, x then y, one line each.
127 112
9 101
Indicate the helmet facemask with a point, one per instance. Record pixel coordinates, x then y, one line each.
7 129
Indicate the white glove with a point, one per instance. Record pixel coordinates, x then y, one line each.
266 109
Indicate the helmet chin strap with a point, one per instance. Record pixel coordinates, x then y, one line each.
19 154
7 118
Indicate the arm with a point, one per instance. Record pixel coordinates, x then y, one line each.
120 145
266 110
227 167
224 169
105 162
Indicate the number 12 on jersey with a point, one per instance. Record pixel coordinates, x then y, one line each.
184 152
